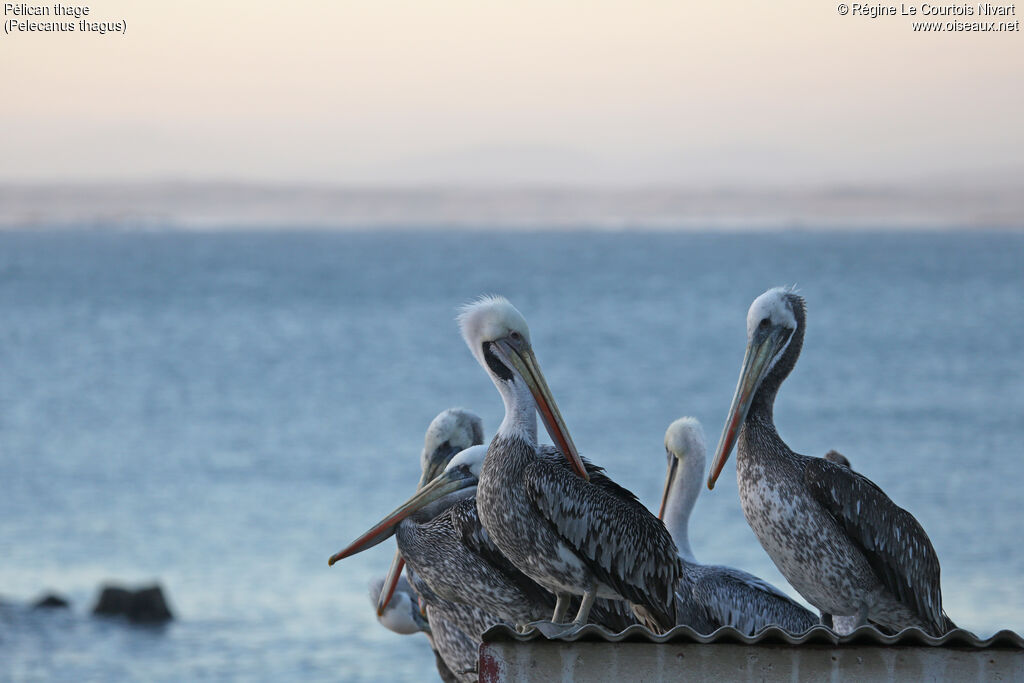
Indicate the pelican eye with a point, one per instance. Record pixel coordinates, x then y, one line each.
764 323
495 364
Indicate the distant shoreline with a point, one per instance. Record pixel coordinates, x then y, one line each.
225 206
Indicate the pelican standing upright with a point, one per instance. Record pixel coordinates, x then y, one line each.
835 536
569 534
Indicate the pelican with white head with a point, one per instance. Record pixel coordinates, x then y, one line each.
558 523
499 338
839 540
772 322
712 596
452 431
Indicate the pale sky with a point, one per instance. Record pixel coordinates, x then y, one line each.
473 91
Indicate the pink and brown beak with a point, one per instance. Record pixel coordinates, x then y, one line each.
448 482
524 363
433 469
757 362
387 591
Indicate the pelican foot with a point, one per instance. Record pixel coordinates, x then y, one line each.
551 630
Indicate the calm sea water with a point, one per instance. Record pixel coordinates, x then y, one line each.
222 412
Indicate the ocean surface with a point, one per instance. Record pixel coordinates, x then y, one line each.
220 412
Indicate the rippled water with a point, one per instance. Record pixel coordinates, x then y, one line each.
221 412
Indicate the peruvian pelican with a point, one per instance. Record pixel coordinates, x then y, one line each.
452 431
835 536
440 536
454 629
570 534
711 596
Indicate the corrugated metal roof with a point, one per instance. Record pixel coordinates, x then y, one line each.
819 635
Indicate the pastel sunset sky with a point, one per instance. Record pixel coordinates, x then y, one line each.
577 92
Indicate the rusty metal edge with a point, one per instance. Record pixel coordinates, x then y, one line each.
818 635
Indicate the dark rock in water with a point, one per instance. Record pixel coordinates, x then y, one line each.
51 600
149 605
144 606
113 601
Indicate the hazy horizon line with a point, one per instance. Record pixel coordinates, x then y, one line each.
191 204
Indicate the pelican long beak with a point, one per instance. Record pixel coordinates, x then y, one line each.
525 365
390 582
673 465
756 364
446 483
433 469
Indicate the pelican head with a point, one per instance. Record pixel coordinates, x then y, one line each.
499 338
451 431
772 322
685 450
456 481
403 614
686 453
